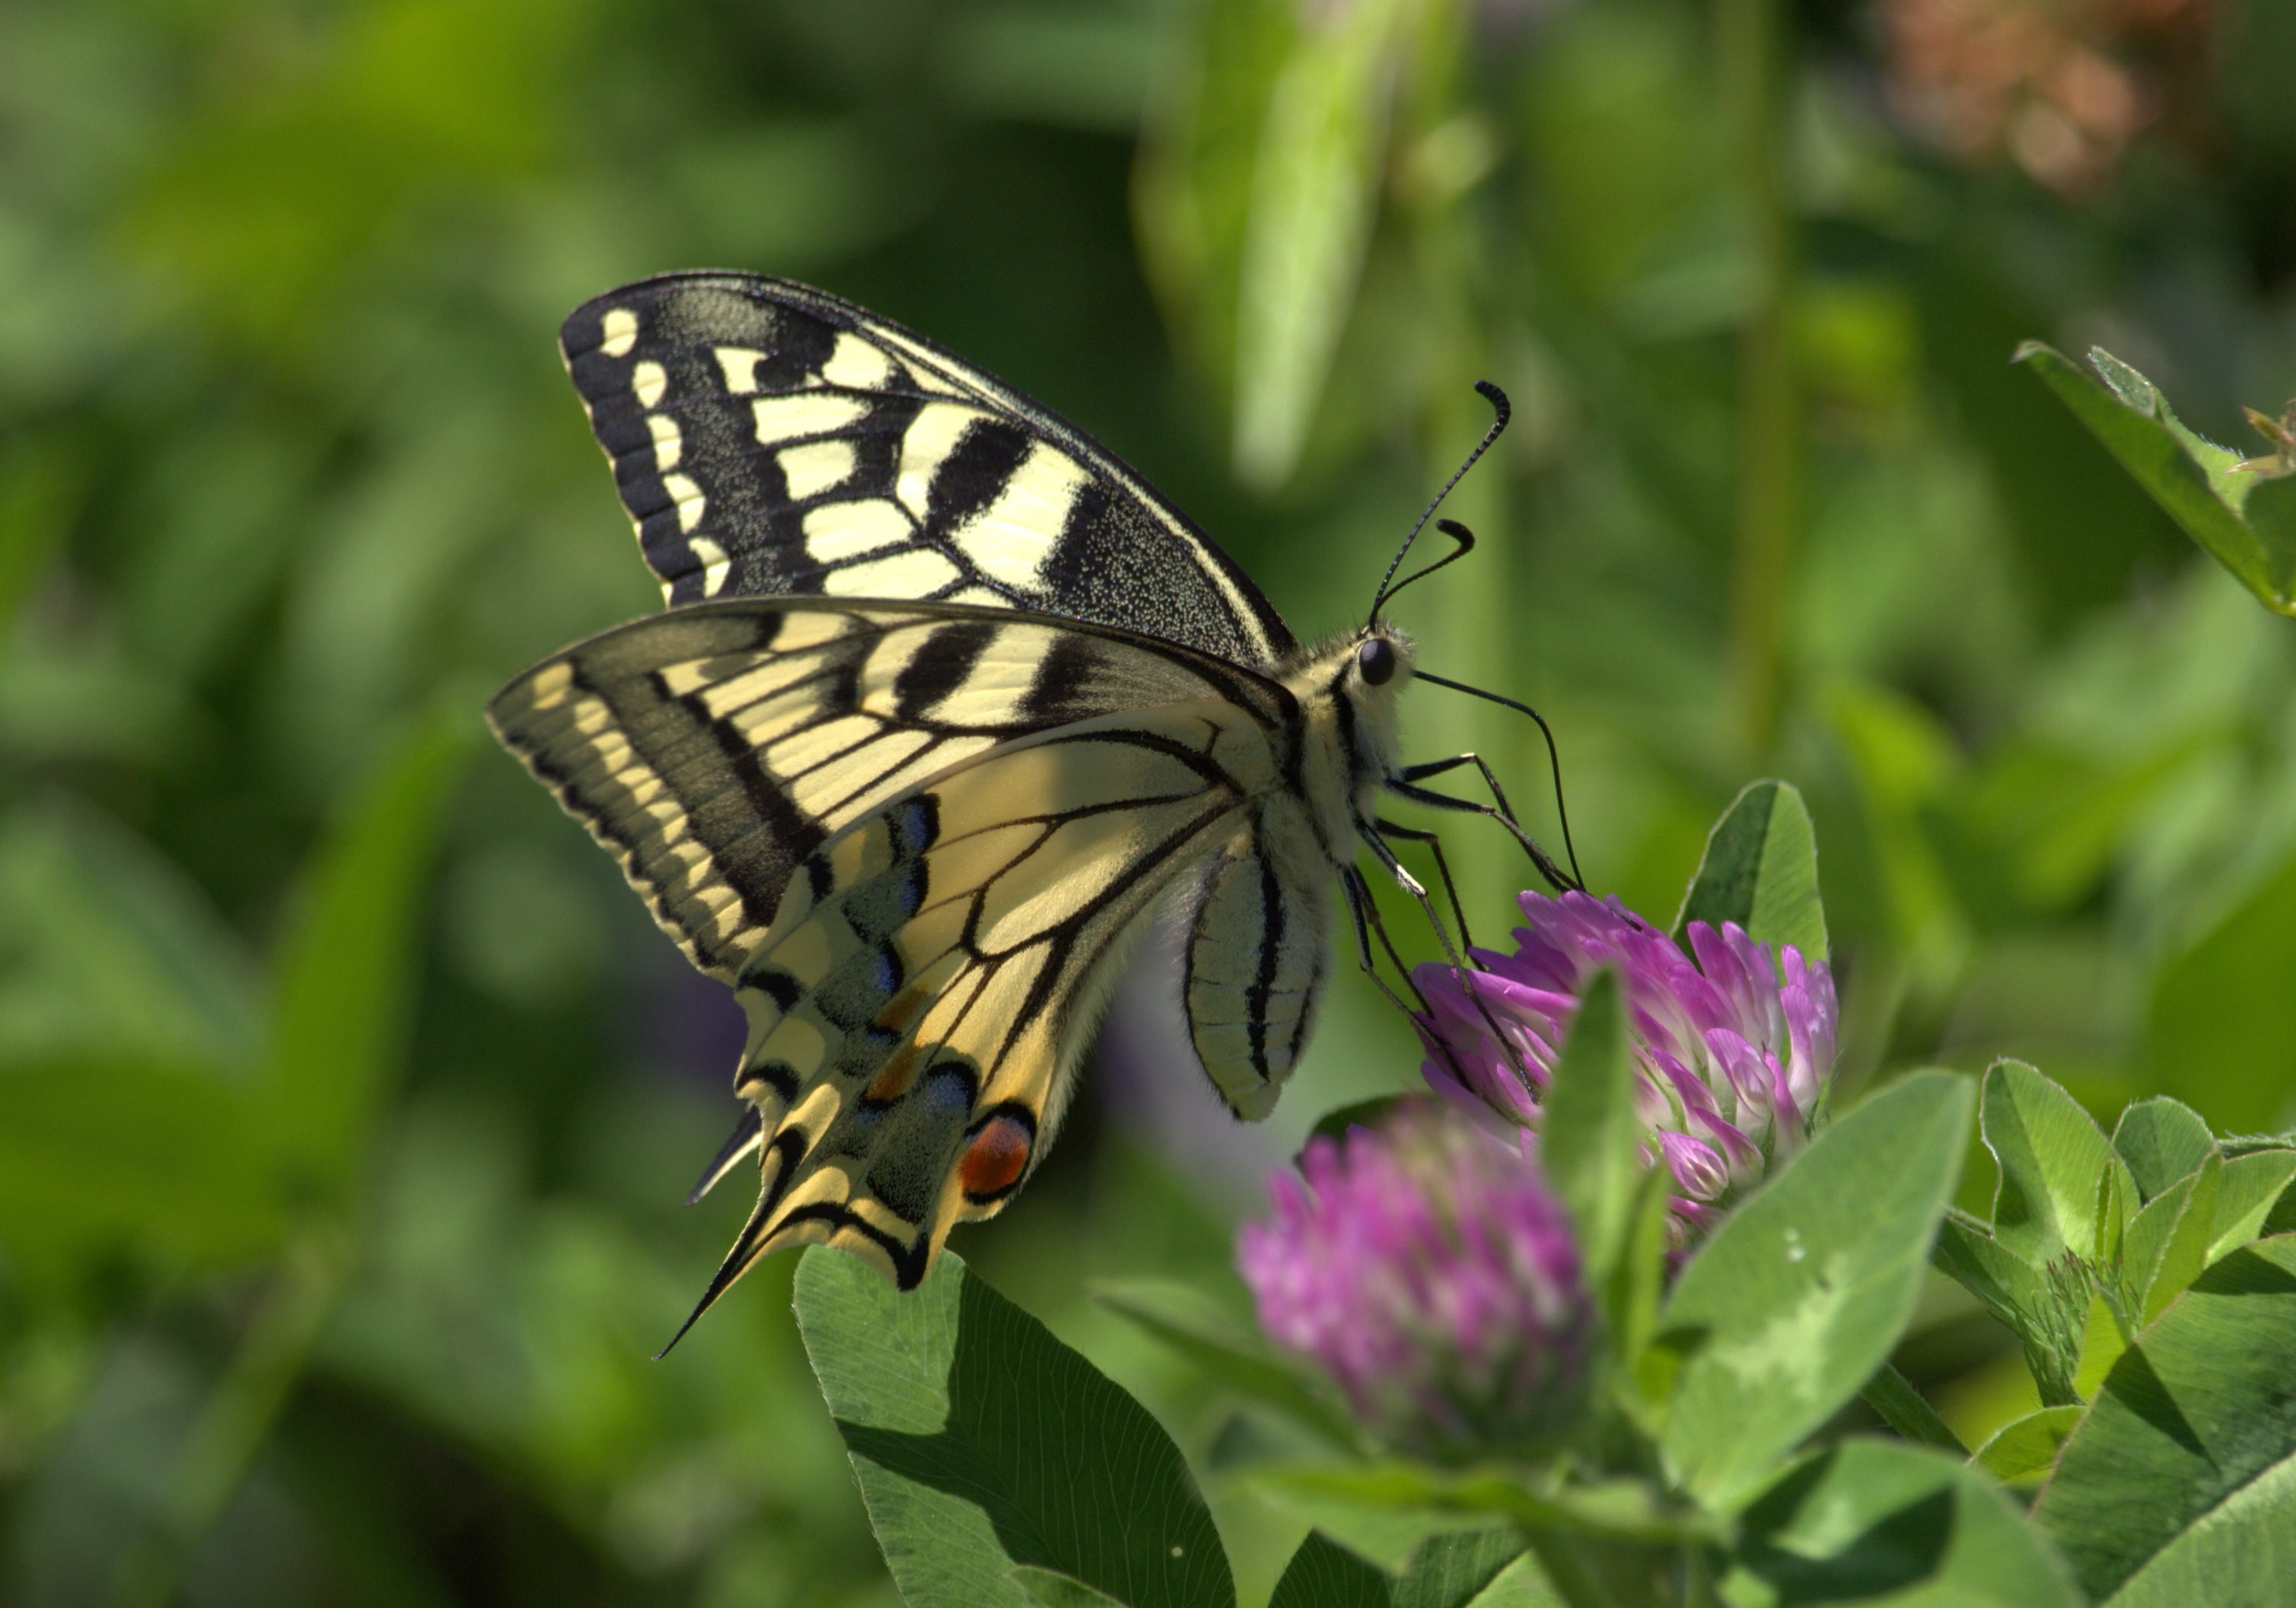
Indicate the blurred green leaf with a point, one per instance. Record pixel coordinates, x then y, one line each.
1590 1137
1637 1286
1792 1305
2051 1154
2025 1450
1192 1323
2161 1140
1388 1511
2179 1486
41 486
1333 1125
1760 871
1908 1411
2219 1005
981 1442
108 949
103 1159
1313 189
1193 193
1871 1520
345 970
2245 521
1070 66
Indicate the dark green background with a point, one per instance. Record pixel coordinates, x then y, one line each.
341 1139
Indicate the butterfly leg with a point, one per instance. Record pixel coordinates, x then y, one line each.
1364 915
1459 967
1402 785
1366 918
1415 834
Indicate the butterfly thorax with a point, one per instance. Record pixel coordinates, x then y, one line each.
1348 743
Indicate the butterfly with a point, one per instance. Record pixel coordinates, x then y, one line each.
945 706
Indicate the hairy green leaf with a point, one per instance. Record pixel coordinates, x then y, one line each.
1869 1521
2245 521
1760 871
1795 1303
2179 1487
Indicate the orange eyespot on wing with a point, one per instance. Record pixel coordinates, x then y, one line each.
995 1161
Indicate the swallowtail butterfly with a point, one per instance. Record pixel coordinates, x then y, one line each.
946 703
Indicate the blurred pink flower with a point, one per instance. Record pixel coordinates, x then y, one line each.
1428 1267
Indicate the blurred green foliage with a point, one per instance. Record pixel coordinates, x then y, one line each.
345 1096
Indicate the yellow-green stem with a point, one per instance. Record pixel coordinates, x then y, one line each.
1747 41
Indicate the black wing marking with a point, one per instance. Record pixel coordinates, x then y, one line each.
768 439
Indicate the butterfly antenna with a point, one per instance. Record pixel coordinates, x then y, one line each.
1553 758
1500 405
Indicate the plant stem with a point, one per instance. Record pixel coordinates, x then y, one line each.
1747 37
236 1419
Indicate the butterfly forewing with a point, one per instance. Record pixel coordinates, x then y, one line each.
769 438
712 749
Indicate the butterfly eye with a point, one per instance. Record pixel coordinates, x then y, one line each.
1376 660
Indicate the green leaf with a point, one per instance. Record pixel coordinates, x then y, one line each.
1313 189
1590 1139
1908 1411
1325 1574
345 973
982 1444
2179 1487
2051 1154
1050 1588
1485 1568
2221 1004
1796 1302
2245 521
2168 1242
1630 1304
1195 1325
1875 1520
2161 1140
2022 1296
2025 1450
1760 871
2252 1187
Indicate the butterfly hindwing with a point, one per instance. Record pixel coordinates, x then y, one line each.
919 1006
769 438
1255 961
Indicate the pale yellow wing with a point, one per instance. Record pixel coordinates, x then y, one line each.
919 1008
712 749
914 838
